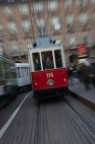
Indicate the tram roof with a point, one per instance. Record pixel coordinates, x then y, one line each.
45 41
22 64
44 49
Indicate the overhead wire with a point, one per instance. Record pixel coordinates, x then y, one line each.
31 20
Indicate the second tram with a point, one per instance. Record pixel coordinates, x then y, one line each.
23 76
8 84
48 68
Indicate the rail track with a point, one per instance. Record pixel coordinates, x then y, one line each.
64 120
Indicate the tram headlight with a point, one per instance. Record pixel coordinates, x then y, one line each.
36 84
64 79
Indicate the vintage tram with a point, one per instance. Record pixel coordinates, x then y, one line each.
48 67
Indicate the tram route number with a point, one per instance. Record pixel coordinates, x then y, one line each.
50 75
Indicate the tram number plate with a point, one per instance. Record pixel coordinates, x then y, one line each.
50 75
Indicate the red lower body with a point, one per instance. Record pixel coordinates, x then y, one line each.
49 80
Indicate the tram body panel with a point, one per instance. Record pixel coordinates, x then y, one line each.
23 81
49 79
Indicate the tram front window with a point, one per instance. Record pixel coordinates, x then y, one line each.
47 60
36 61
58 58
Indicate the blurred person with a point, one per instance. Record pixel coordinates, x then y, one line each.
70 75
75 71
79 72
84 75
49 63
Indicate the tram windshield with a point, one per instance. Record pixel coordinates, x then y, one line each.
47 60
36 61
58 58
22 72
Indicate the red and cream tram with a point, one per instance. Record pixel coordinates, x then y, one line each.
48 68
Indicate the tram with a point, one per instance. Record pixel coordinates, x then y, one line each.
23 76
48 67
8 84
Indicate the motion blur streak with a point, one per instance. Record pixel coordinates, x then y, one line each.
2 131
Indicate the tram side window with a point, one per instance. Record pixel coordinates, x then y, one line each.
36 61
13 71
2 72
18 72
8 71
47 60
58 58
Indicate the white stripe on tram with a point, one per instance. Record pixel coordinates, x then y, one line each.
7 124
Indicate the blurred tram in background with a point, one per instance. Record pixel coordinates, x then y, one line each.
47 66
14 78
8 84
23 76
